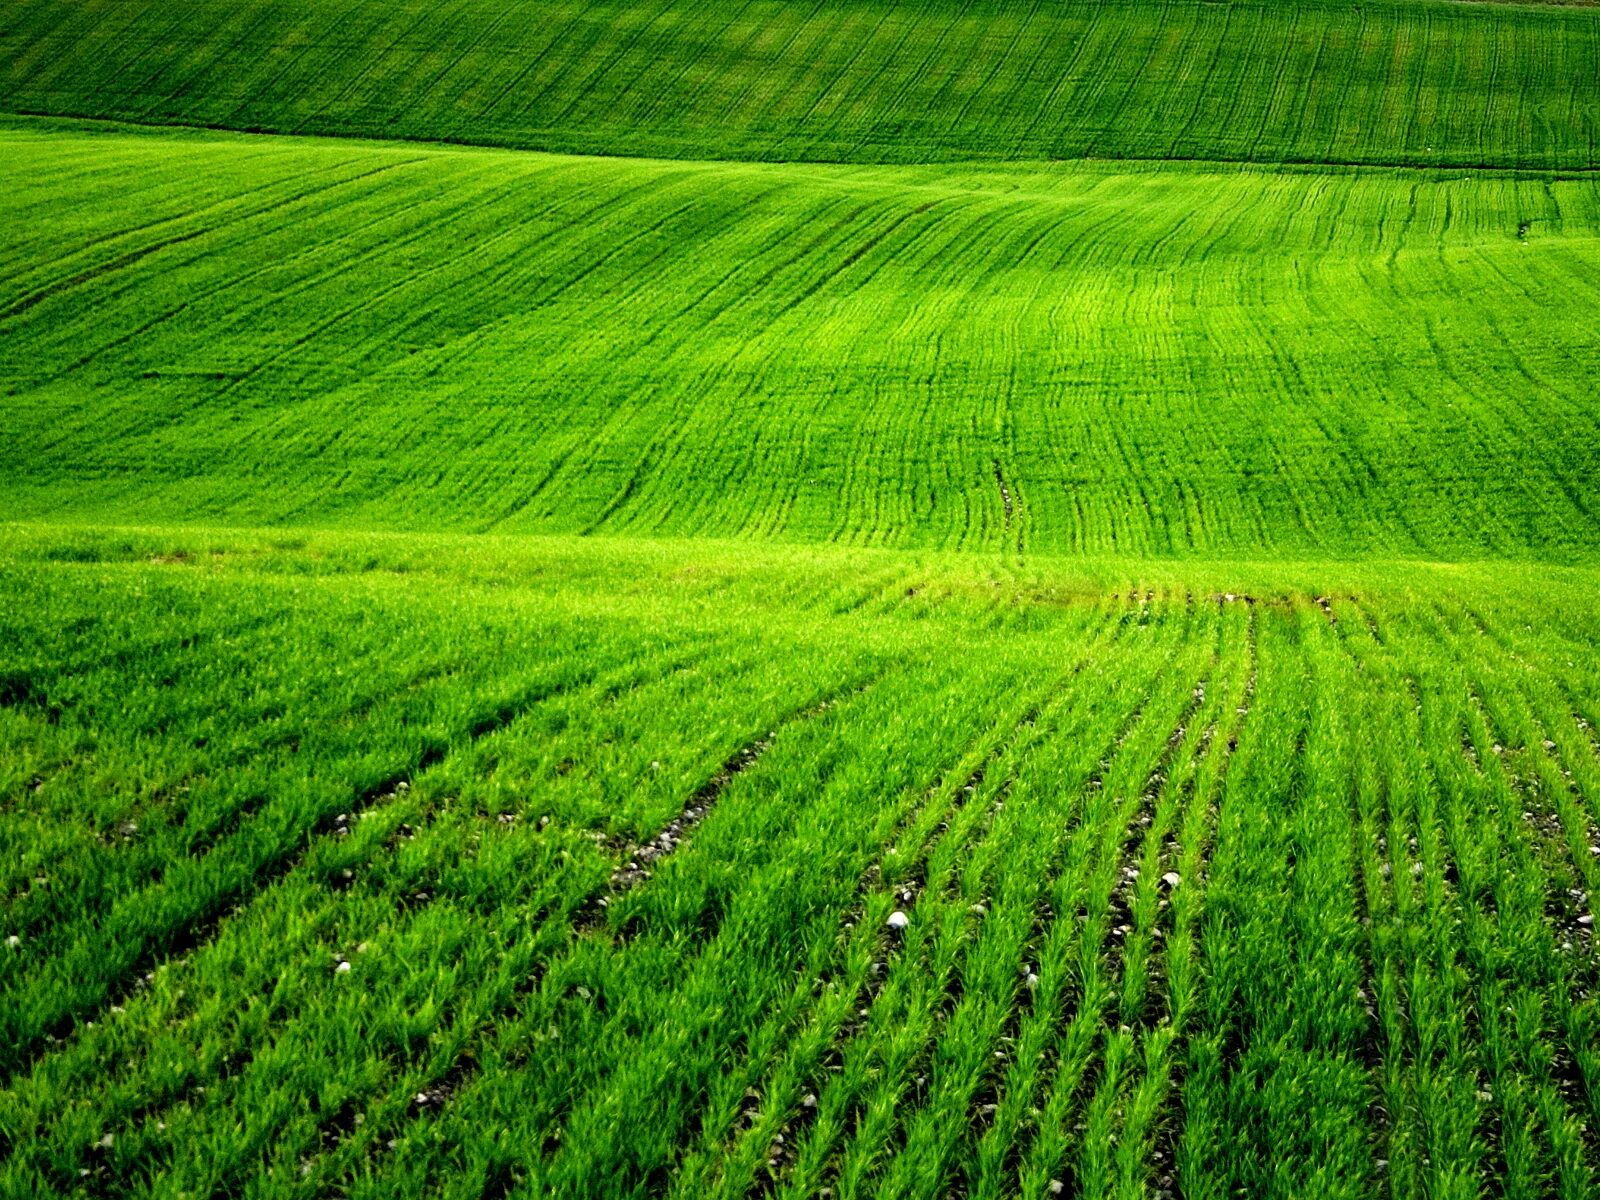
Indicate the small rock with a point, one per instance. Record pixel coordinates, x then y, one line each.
1587 921
342 968
1172 879
1056 1186
979 909
108 1141
13 941
898 920
810 1100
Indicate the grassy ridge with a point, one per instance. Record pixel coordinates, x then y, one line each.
859 81
1368 799
1094 358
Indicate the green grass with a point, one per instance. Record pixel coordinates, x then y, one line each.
842 80
1377 801
1162 360
529 530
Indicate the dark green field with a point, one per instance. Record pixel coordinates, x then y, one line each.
761 599
1413 81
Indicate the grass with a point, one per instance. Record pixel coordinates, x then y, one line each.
1086 358
1377 805
1425 82
528 532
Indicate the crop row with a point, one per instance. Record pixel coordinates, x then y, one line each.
1417 83
998 892
1095 359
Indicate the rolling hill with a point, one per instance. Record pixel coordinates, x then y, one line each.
1433 82
763 599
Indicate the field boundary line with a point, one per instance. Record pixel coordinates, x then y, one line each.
1305 165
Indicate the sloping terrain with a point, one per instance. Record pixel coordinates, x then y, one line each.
1156 359
646 599
1439 83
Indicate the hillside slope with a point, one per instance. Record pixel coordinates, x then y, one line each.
1090 358
841 80
598 667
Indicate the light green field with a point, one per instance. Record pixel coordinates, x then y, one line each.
1155 359
648 600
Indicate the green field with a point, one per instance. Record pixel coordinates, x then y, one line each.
1162 360
1408 81
762 599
